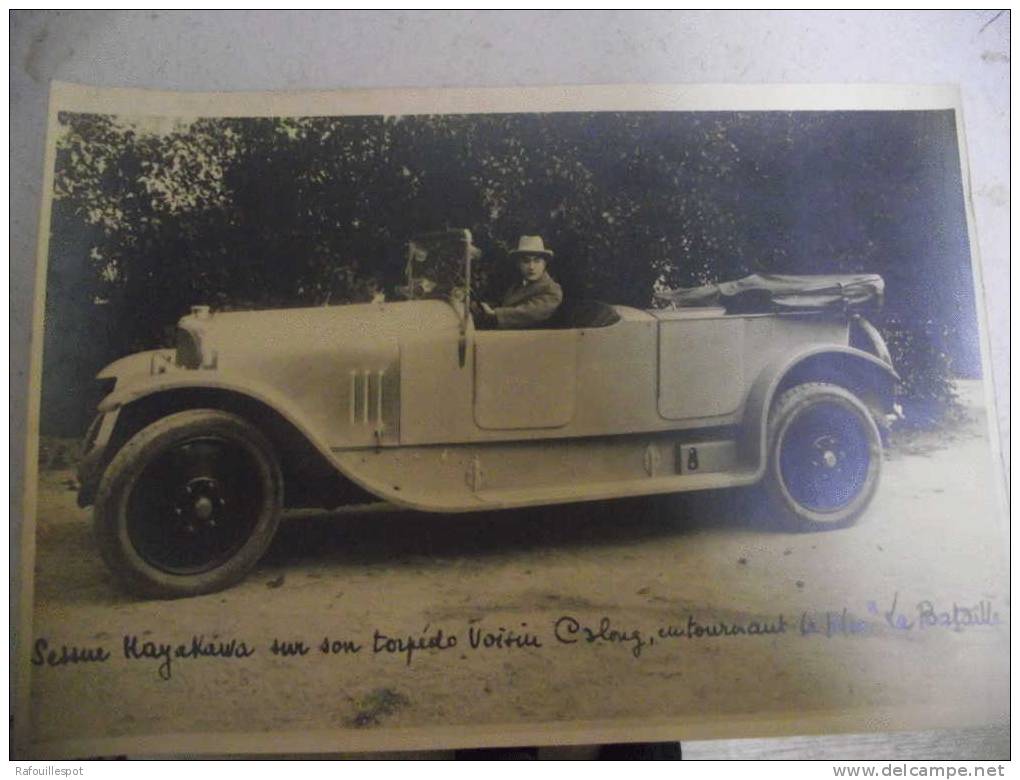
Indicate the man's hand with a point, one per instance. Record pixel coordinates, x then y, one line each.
484 315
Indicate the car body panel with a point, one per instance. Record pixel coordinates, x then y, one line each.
701 367
500 475
469 477
614 383
525 379
338 367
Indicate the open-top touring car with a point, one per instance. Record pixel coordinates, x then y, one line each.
197 450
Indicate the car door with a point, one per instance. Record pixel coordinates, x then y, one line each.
701 364
525 379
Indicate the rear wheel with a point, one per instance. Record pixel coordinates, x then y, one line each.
189 504
825 456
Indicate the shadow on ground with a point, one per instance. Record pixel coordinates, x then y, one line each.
382 537
69 569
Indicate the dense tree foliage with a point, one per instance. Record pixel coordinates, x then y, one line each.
150 217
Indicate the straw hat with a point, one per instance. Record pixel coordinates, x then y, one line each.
531 245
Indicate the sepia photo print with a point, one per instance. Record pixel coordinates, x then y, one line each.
383 420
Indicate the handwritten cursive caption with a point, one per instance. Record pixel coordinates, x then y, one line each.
566 631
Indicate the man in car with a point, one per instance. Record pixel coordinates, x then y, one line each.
533 300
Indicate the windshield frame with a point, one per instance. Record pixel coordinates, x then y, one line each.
458 296
422 245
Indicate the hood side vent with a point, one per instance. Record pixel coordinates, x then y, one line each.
365 398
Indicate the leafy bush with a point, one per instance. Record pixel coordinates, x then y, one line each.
925 365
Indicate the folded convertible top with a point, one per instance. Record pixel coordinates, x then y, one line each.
772 292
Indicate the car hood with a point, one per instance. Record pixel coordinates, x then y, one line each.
213 337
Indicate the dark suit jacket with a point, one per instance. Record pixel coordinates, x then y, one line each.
528 305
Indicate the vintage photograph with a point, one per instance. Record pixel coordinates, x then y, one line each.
433 426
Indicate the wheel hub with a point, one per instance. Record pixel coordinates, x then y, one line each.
825 457
203 508
828 452
199 503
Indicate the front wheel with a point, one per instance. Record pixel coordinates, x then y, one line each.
825 456
189 504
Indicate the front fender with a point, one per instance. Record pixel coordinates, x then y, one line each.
175 382
138 365
136 388
858 371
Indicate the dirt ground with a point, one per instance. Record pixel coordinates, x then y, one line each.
923 640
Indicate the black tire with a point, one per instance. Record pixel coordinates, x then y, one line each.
824 456
189 504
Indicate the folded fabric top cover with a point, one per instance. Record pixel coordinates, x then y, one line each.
772 292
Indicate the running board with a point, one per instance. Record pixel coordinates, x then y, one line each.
563 494
502 475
